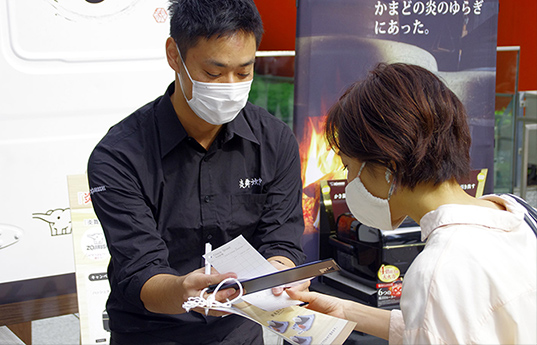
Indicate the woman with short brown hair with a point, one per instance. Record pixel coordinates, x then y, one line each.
403 136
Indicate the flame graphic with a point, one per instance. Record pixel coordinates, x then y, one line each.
319 162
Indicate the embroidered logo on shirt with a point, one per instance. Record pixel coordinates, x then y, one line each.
249 182
97 189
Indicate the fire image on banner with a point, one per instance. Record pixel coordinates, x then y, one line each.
318 162
454 38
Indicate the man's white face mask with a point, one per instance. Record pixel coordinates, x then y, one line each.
216 103
367 208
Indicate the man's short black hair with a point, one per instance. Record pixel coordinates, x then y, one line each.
195 19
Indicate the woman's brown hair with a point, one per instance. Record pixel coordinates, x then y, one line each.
405 118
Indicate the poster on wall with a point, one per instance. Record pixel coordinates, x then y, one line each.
70 70
91 263
339 41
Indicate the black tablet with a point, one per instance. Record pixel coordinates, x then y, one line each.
309 270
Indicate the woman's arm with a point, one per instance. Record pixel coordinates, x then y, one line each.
370 320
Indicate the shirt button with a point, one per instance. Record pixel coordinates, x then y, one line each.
207 198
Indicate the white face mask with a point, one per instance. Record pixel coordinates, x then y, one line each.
216 103
367 208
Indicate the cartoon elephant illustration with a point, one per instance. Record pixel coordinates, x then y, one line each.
98 238
59 221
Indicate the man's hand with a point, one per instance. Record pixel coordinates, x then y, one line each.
166 293
196 281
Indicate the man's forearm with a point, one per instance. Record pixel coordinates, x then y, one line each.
282 260
164 294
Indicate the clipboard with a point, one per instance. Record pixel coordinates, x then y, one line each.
268 281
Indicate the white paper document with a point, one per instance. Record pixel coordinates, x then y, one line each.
280 315
238 256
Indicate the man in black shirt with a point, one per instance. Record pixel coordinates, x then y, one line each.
199 164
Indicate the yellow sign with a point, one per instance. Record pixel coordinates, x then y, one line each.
388 273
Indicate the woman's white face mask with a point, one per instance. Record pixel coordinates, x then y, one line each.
367 208
216 103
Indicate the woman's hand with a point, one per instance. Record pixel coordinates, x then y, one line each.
370 320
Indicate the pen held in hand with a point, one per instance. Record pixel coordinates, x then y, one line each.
208 248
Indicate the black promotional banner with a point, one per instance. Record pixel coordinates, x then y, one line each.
339 41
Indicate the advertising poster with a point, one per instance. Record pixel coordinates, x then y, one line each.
339 41
91 263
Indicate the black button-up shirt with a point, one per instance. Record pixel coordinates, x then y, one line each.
160 196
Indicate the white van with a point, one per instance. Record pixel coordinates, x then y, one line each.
69 69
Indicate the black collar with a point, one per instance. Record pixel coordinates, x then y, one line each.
172 132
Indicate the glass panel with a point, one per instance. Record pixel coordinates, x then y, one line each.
503 145
505 119
273 86
528 118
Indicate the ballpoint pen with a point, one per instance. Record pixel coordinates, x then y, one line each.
208 248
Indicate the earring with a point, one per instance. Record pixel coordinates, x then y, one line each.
387 175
